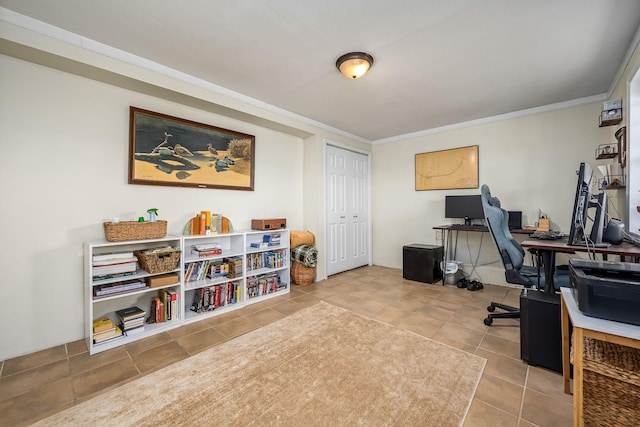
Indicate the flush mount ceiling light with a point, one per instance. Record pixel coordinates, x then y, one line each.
355 64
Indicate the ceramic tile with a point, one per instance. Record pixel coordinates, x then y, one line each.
33 360
500 394
483 415
57 378
545 410
159 357
201 340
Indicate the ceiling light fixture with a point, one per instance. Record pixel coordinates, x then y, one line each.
355 64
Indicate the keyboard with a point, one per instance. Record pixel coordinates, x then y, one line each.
547 235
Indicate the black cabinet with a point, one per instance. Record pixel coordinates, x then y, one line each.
422 262
540 329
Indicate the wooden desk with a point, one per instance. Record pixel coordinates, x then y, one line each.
549 248
585 326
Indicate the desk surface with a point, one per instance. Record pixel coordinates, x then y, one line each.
623 249
478 228
579 320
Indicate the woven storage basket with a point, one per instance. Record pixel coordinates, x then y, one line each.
133 230
301 274
158 263
611 384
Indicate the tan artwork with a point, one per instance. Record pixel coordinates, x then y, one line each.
447 169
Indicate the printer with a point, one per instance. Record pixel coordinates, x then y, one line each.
607 290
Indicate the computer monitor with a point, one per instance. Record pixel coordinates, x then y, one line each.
465 207
580 219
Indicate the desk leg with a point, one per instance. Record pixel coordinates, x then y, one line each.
549 261
566 347
578 349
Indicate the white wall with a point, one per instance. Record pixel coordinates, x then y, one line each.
64 171
529 162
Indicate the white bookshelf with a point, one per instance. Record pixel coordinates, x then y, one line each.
97 307
273 276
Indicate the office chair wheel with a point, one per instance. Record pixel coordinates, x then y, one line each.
491 308
488 321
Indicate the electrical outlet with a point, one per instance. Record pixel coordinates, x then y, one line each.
438 234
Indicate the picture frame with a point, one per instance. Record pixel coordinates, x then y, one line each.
447 169
171 151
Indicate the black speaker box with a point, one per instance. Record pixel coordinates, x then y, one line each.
422 262
540 329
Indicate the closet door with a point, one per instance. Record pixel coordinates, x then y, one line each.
347 210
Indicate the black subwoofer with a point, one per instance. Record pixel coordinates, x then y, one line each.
540 329
422 262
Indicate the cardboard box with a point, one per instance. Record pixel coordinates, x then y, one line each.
269 224
163 280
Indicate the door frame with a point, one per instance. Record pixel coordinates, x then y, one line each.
329 143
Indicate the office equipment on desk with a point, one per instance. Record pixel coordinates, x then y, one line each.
515 220
580 218
604 393
540 331
467 207
548 235
422 262
607 290
512 256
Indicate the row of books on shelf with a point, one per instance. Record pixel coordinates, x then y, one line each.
105 290
213 297
269 259
114 264
207 223
264 284
164 307
199 270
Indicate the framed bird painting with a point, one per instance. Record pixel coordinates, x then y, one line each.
167 150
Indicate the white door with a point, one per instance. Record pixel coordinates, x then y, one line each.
347 209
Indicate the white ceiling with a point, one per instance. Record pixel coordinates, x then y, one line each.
437 63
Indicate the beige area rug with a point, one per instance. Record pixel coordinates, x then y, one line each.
323 365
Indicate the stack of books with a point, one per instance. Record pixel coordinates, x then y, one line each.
106 266
207 249
101 291
131 320
105 330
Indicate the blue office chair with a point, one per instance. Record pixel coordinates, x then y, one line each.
512 256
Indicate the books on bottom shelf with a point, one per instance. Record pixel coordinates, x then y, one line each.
264 284
213 297
105 330
131 320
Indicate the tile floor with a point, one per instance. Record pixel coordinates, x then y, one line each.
510 393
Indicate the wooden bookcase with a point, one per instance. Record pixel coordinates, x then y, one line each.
259 273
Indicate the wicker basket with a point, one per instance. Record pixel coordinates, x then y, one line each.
133 230
611 384
158 263
301 274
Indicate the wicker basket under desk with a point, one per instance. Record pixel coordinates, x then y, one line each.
611 384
